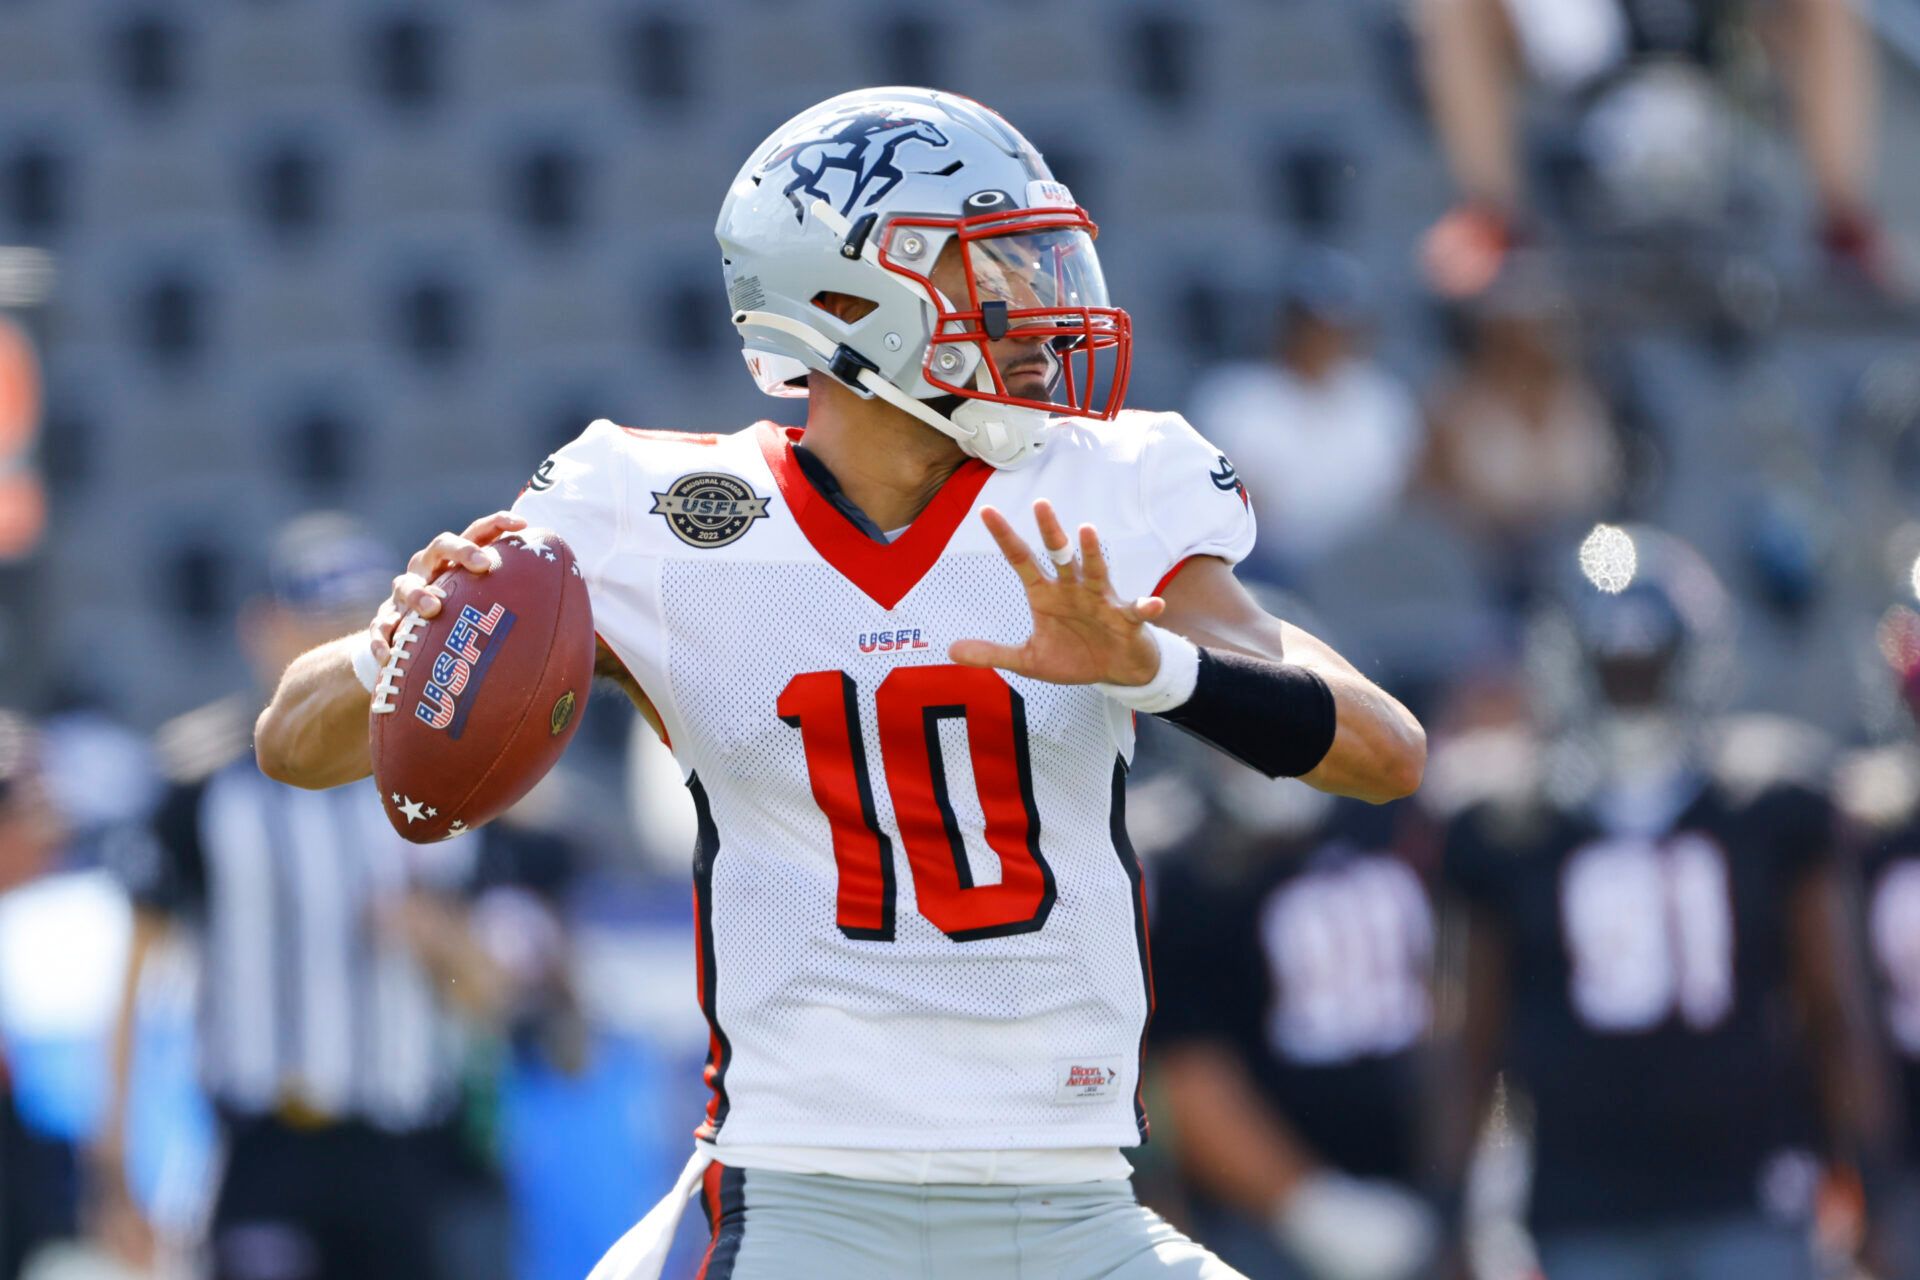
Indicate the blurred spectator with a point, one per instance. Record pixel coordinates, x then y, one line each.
1655 947
37 1173
1324 438
336 962
1477 51
1292 950
1522 444
101 773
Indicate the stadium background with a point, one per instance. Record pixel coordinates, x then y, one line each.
293 254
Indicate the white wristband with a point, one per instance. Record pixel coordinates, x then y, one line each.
1171 685
366 668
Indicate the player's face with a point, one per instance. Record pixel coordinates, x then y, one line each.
1026 271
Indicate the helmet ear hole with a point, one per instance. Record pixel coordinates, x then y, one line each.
845 307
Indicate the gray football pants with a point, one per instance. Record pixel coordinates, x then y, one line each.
784 1226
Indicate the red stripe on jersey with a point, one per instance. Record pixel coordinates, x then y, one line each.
886 571
1153 1002
675 437
1130 863
710 1075
706 962
710 1199
1170 575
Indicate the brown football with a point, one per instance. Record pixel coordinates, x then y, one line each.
477 703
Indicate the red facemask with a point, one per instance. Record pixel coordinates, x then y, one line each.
1032 277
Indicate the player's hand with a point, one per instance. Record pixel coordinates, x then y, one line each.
1347 1228
414 590
1082 632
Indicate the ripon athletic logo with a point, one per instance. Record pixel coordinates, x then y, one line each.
709 508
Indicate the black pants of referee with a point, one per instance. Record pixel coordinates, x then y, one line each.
342 1202
39 1189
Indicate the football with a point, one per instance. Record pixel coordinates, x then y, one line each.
475 705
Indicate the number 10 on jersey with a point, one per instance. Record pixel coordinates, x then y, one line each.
912 703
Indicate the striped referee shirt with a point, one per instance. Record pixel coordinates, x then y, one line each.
304 997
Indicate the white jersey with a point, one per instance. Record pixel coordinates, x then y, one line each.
920 923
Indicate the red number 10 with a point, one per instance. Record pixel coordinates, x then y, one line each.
911 702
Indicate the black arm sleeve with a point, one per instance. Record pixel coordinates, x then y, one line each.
1270 716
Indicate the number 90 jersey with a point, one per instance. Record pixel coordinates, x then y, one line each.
920 924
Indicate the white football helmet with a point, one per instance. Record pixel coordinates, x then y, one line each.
861 195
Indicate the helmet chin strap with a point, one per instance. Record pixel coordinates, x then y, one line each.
983 429
1007 429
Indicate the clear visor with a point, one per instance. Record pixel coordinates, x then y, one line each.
1054 295
1032 270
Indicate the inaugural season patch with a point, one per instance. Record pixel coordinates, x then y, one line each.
709 508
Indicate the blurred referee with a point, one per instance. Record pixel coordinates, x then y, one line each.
336 965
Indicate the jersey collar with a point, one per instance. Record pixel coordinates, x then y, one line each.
885 571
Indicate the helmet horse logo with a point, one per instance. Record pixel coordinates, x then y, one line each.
863 147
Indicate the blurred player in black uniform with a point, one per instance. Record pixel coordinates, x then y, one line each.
1653 942
1292 955
1878 790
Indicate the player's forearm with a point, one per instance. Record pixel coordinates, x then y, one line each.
1469 80
1832 71
314 732
1379 750
1229 1141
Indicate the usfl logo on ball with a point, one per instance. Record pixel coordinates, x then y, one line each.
460 666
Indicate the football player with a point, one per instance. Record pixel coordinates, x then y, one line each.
1877 789
1651 937
921 937
1293 950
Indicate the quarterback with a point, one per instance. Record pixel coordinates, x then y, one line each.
902 691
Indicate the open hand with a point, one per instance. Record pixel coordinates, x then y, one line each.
1082 632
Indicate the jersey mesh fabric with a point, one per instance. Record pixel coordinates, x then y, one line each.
1026 1040
923 1041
